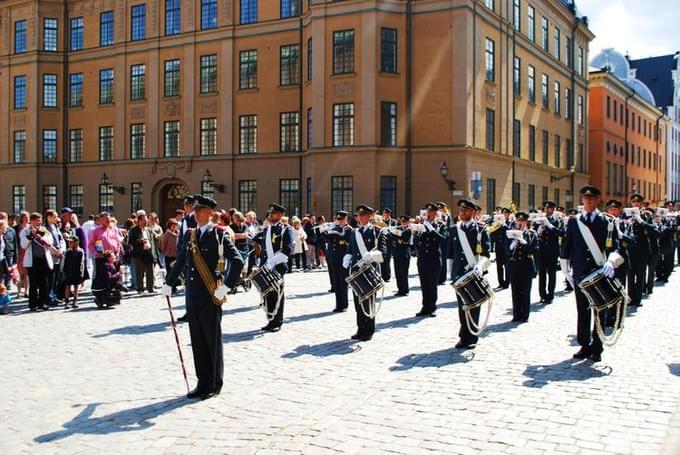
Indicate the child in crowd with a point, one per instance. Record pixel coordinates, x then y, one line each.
74 270
5 299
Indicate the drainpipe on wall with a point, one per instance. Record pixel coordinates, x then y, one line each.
514 103
64 114
300 103
625 140
572 111
409 108
657 161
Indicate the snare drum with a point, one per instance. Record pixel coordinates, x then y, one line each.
365 282
265 280
472 289
602 292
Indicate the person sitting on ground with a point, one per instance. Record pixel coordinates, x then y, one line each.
5 299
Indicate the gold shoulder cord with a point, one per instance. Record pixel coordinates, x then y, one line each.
202 268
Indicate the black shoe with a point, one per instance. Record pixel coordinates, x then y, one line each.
524 320
208 394
356 336
596 357
184 318
583 353
548 301
271 328
365 337
401 294
331 290
196 393
45 307
339 310
35 308
421 314
542 300
465 346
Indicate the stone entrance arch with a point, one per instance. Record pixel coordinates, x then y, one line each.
169 195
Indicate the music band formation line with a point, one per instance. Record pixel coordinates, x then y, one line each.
610 259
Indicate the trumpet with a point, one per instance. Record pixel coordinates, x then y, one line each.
631 211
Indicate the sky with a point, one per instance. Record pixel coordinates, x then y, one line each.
639 28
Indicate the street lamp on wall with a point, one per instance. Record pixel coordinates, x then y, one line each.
208 181
105 181
444 171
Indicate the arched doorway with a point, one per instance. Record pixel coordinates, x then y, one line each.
171 198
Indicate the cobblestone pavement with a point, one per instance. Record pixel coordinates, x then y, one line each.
93 381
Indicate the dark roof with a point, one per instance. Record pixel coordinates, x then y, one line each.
656 73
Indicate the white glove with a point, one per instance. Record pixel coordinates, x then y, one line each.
269 265
479 271
166 291
637 218
570 278
367 257
221 293
522 241
513 245
346 261
608 269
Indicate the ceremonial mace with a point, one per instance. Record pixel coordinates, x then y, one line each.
179 349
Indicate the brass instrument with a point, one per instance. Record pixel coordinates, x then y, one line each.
498 221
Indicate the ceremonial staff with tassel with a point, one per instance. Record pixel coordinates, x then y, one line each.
209 255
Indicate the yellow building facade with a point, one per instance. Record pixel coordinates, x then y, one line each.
317 104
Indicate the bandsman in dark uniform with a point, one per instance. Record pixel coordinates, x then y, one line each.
277 242
666 248
206 252
363 247
401 236
501 246
188 222
638 248
337 238
654 235
580 260
549 233
428 244
446 223
478 240
385 267
567 285
523 248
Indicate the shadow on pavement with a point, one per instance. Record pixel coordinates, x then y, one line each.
399 323
566 370
241 336
337 347
307 317
437 359
136 329
133 419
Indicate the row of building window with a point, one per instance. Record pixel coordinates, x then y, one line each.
642 157
617 111
289 132
545 35
490 143
138 23
289 74
342 188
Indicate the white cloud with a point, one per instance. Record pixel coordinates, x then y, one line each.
640 28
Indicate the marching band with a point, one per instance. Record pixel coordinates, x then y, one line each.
610 259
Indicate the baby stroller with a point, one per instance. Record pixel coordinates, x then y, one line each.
244 281
106 286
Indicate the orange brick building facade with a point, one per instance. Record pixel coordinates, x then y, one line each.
627 141
317 104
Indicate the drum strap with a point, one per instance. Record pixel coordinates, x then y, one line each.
268 242
465 244
592 244
202 267
360 242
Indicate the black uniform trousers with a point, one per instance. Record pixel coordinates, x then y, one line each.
666 262
502 270
651 270
271 300
429 270
365 325
521 275
339 285
466 337
402 262
385 268
636 281
206 343
547 272
444 249
38 275
329 264
586 333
